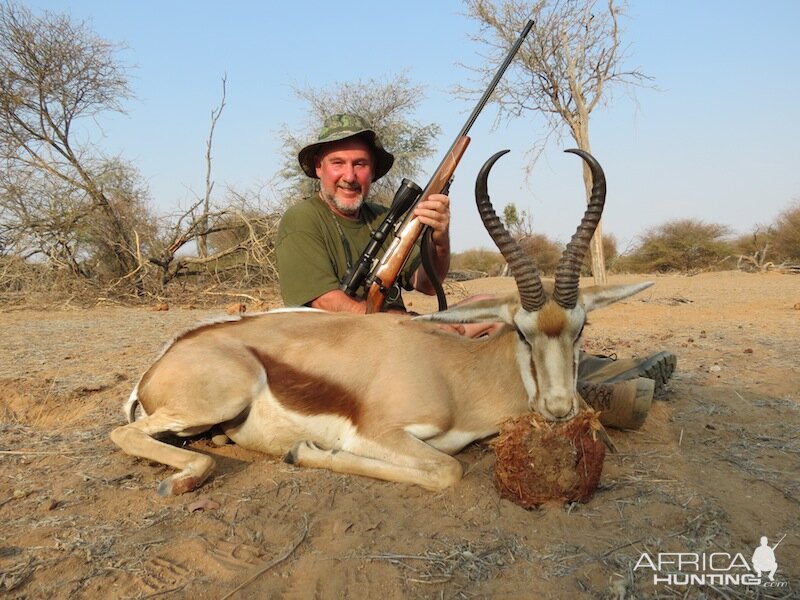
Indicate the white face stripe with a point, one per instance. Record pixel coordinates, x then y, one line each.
549 363
525 365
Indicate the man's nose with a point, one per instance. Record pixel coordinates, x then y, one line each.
349 173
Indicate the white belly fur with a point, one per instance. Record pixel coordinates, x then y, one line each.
273 429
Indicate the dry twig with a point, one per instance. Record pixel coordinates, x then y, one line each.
275 561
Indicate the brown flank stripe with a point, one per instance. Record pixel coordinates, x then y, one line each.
305 393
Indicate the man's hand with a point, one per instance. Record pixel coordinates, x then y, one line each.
435 213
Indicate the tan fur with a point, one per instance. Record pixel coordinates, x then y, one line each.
307 393
552 319
379 395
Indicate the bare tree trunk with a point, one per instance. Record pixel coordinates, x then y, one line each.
598 256
202 238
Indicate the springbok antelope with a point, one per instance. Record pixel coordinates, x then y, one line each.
382 395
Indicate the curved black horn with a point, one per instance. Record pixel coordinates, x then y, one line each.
531 292
568 272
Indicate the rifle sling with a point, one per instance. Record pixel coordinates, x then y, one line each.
426 253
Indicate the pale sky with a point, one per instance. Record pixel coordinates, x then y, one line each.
718 141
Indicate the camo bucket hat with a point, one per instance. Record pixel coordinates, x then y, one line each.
341 127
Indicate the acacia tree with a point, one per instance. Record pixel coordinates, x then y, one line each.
56 74
570 59
518 223
387 106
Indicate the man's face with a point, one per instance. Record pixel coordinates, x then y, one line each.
345 173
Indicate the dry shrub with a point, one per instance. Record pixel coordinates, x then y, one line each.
478 260
684 245
786 235
544 252
24 283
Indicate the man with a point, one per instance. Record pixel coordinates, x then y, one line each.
764 559
322 236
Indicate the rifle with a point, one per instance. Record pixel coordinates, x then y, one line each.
404 199
382 277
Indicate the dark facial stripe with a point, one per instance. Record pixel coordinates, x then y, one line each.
308 394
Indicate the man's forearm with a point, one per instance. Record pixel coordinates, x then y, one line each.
338 301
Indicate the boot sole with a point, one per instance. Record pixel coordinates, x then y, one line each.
659 368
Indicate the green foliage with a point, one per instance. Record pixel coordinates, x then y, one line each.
684 245
518 223
510 215
387 106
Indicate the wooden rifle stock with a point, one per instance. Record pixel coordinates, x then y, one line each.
392 263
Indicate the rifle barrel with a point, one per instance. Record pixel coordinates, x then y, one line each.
490 89
385 274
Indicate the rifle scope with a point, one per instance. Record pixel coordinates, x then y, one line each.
404 198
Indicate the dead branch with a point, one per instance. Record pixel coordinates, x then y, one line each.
202 238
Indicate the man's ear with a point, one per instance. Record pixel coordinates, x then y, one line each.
490 310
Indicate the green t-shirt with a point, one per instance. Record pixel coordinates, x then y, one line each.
312 257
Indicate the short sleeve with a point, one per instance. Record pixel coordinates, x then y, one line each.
303 261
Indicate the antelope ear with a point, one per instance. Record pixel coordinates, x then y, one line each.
490 310
598 296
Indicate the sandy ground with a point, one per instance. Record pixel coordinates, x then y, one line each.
716 466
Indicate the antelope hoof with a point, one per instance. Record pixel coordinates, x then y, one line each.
177 485
292 456
218 437
187 480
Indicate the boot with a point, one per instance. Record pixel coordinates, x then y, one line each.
600 369
622 405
